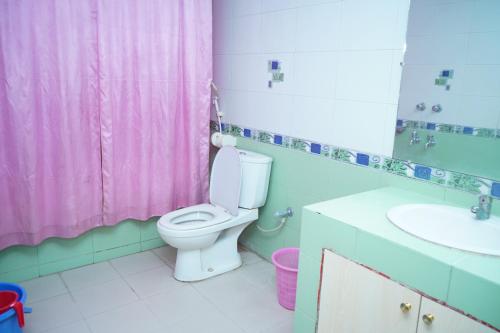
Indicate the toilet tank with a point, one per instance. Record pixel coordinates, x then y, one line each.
255 172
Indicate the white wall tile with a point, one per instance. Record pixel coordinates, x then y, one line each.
481 80
222 74
274 5
361 126
368 24
315 74
249 72
222 9
246 7
484 48
279 31
364 76
443 50
486 13
222 32
306 36
246 36
440 18
318 28
313 118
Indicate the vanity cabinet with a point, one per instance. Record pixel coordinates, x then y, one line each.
355 299
447 320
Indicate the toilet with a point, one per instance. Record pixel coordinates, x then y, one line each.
206 235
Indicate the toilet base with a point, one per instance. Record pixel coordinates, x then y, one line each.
221 257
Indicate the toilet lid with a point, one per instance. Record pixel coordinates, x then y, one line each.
225 180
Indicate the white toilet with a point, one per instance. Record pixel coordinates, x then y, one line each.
206 235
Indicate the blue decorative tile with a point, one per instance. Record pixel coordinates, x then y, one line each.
422 172
468 130
247 133
315 148
399 123
362 159
404 168
431 126
223 127
495 190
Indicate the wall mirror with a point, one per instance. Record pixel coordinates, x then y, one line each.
449 106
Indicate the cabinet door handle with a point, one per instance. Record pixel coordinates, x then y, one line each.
405 307
428 318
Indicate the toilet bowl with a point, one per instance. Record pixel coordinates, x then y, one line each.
206 235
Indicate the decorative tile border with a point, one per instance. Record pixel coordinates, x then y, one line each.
402 124
456 180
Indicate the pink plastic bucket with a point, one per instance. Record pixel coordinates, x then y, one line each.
286 261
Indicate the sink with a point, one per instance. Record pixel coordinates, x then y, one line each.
449 226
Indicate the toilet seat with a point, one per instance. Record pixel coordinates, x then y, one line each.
194 217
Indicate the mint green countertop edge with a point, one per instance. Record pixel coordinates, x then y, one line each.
466 281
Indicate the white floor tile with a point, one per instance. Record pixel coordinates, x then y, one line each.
209 321
78 327
229 289
259 312
177 305
132 318
261 274
89 276
52 313
249 258
136 263
44 287
167 254
153 281
284 327
103 297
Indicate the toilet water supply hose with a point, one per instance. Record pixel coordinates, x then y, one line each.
283 215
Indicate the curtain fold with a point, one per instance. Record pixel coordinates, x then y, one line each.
104 112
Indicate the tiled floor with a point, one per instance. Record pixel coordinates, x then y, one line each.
137 293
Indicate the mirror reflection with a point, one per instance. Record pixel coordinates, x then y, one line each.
449 107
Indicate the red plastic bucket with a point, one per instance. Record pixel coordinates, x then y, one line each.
10 300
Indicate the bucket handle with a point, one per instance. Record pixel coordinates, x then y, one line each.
18 307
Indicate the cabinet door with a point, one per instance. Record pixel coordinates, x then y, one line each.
355 299
446 320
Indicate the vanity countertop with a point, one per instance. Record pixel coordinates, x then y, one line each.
360 230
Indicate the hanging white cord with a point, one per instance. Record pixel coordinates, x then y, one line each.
282 223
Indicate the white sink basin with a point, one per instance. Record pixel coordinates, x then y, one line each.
449 226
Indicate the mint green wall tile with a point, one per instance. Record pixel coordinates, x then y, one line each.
19 275
421 187
117 252
403 265
65 264
449 153
124 233
302 323
148 229
56 249
16 257
152 244
319 232
291 237
308 284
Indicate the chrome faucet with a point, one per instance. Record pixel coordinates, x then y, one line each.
414 138
483 209
431 141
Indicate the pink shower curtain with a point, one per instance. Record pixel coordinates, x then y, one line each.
104 111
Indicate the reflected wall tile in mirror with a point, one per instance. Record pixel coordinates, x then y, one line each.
439 17
488 12
484 48
436 50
